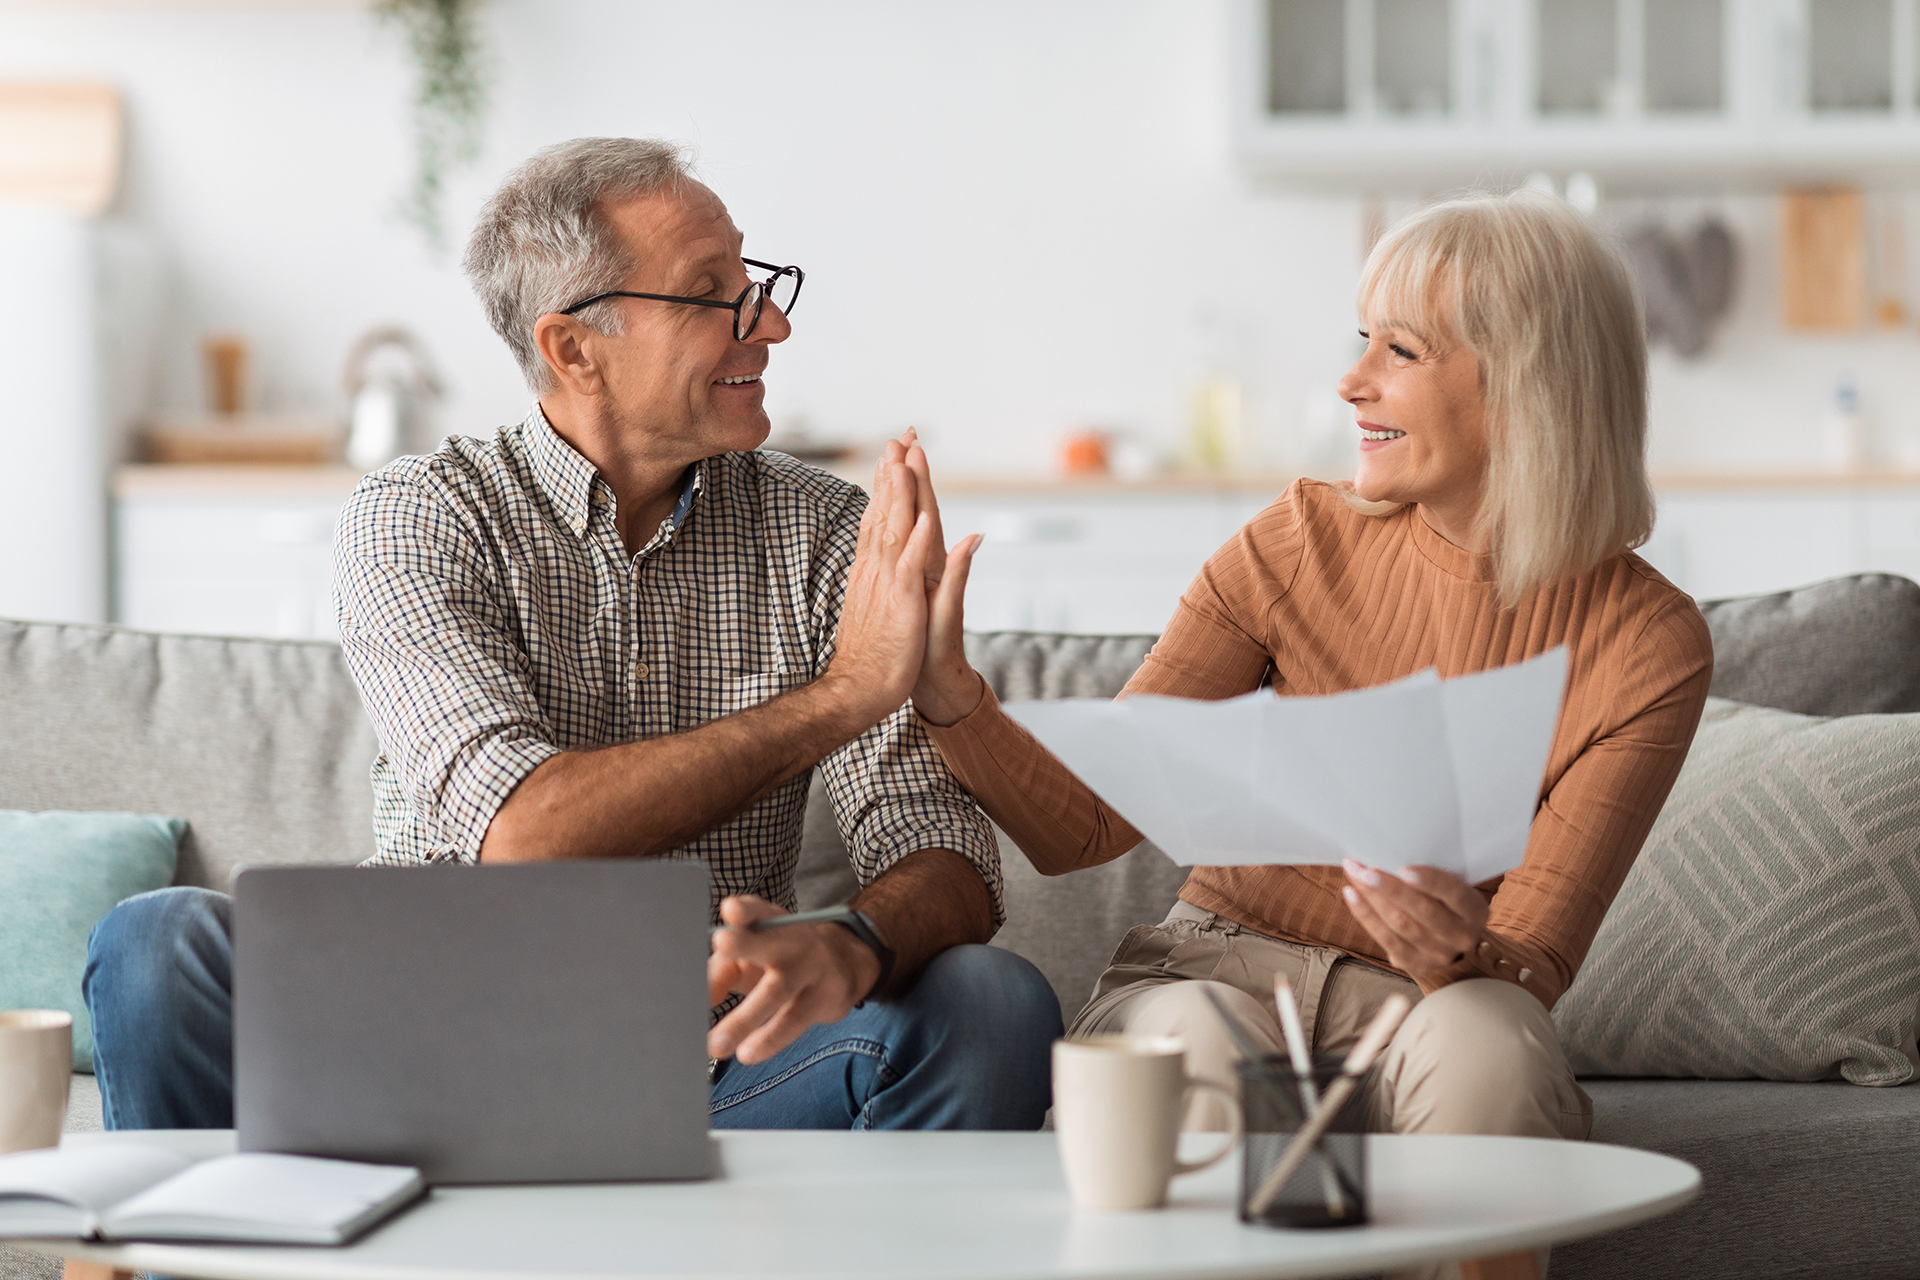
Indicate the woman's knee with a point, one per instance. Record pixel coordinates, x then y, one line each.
1480 1056
1478 1017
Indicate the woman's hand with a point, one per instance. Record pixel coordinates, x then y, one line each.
949 688
1424 918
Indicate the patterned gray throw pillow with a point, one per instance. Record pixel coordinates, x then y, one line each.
1771 927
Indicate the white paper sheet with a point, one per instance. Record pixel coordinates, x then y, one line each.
1423 771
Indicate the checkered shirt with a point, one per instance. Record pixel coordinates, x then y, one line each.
492 619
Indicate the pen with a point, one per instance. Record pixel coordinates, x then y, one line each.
826 915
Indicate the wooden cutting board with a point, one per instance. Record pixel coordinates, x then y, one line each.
60 144
1823 259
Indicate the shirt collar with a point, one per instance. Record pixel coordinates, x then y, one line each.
565 476
568 479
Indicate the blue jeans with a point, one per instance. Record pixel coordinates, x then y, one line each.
966 1048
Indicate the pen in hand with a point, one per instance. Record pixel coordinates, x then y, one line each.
826 915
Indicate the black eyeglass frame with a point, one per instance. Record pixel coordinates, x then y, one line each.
741 332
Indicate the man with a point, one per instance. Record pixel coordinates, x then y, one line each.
614 630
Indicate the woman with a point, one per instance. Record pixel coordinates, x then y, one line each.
1501 404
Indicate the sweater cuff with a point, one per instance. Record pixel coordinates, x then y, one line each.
1498 957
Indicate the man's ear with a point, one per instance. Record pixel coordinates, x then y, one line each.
567 347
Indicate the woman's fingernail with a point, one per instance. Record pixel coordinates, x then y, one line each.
1410 875
1353 899
1364 874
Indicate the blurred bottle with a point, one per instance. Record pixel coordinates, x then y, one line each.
226 357
1844 441
1216 439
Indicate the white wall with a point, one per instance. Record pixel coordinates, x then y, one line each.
1017 217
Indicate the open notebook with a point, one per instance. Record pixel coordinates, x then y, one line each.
126 1191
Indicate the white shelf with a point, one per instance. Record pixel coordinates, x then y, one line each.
1763 134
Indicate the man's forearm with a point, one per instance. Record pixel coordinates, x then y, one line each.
643 798
925 903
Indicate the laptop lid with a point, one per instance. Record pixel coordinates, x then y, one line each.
540 1023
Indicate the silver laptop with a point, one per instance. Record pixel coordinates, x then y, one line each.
487 1024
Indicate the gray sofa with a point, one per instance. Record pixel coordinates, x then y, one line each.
263 747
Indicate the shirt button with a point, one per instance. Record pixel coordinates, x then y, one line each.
639 671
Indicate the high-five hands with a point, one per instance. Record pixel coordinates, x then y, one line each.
791 978
948 688
1424 918
883 617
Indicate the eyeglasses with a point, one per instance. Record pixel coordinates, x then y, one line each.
782 287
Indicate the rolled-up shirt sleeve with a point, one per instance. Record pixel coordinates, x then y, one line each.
431 647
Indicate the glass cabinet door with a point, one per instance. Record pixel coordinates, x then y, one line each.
1306 56
1578 56
1849 62
1412 57
1686 49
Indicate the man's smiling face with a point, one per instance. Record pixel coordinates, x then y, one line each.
678 374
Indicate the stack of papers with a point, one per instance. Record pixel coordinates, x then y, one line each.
1421 772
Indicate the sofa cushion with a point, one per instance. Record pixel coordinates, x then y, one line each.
1771 926
260 745
59 873
1847 646
1802 1181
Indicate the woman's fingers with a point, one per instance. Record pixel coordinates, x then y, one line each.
1426 922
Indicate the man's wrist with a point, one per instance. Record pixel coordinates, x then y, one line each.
865 968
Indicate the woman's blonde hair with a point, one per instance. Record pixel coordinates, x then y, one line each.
1549 310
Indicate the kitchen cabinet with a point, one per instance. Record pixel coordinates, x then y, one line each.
233 550
1421 94
246 550
1734 536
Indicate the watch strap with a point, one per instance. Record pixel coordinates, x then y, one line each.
861 926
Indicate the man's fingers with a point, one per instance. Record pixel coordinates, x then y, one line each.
776 1033
913 556
761 1003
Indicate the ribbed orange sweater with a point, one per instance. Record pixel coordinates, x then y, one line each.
1316 598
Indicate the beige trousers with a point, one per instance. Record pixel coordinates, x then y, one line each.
1475 1057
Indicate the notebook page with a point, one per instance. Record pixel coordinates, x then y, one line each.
63 1190
262 1196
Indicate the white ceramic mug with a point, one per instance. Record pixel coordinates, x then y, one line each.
1117 1104
36 1066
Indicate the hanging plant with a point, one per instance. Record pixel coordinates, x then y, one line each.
449 102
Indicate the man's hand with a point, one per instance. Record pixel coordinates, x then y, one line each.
791 978
883 619
1424 918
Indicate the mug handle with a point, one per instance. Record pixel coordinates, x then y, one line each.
1234 1135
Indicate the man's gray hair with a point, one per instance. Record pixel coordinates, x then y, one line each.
544 241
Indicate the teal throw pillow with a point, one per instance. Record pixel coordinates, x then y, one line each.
59 873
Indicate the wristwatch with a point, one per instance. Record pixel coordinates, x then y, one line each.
861 925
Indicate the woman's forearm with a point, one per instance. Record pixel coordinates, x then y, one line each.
1055 818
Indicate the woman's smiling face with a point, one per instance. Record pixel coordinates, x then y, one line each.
1420 407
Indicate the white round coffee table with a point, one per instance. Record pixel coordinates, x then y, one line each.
957 1206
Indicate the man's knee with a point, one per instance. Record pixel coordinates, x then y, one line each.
155 940
996 996
1481 1056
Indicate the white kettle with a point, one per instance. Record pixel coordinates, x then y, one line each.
391 385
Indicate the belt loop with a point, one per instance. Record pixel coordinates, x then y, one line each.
1313 985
